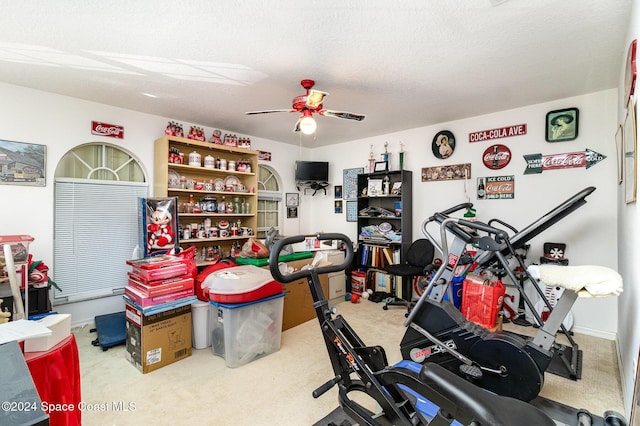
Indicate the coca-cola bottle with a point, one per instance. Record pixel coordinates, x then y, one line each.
495 164
481 190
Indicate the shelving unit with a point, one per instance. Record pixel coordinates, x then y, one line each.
399 203
245 209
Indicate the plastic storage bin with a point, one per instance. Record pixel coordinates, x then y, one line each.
244 332
19 246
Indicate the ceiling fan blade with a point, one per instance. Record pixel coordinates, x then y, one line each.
269 111
297 126
314 98
342 114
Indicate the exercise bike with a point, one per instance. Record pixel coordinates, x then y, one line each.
407 393
505 363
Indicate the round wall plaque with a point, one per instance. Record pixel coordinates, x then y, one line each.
443 144
496 157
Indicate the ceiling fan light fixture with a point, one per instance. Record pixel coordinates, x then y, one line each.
308 125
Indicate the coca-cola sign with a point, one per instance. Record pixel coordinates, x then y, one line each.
496 187
501 132
108 130
496 157
536 163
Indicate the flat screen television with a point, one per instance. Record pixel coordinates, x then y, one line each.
317 171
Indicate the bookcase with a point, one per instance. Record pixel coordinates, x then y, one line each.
384 227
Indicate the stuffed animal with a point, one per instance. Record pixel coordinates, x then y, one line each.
159 231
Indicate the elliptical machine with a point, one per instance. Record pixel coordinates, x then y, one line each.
503 362
407 393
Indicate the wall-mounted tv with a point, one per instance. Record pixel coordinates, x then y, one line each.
316 171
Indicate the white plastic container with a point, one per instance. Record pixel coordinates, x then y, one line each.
201 320
244 332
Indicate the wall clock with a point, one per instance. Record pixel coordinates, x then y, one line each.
292 199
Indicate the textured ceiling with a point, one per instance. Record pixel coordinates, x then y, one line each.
404 64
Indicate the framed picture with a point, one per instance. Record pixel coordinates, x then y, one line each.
337 206
350 182
22 163
292 212
381 166
374 187
292 199
562 125
337 191
443 144
630 72
630 155
620 153
635 401
352 211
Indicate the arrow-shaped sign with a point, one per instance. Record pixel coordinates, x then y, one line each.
536 163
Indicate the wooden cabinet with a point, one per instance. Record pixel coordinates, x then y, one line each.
210 229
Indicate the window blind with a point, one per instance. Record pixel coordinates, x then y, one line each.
95 233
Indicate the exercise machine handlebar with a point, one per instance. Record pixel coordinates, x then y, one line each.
304 273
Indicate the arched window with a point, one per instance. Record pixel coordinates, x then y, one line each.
97 189
269 200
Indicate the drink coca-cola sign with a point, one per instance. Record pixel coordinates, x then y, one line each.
496 157
108 130
536 163
496 187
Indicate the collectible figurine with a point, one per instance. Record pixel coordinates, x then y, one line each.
372 160
160 233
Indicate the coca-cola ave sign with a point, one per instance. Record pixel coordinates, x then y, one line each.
536 163
108 130
496 157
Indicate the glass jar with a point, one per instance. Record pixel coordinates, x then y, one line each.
238 204
195 159
209 204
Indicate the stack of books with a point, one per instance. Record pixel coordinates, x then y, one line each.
159 281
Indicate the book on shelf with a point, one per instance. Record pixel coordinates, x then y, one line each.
377 256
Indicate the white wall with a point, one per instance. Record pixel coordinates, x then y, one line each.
590 232
62 123
628 237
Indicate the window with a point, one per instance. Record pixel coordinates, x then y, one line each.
96 192
269 200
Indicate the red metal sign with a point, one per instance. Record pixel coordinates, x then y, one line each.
108 130
496 157
536 163
502 132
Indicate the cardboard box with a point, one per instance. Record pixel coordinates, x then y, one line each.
60 326
156 340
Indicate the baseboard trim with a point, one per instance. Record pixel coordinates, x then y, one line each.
595 333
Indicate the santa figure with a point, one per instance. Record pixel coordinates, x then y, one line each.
159 231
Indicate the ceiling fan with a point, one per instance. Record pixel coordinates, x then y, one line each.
307 105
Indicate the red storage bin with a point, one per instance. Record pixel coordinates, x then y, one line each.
482 300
